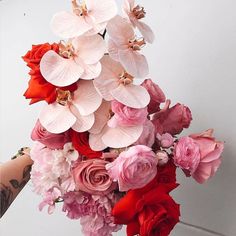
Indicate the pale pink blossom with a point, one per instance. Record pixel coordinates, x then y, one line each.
187 154
77 59
102 136
135 13
133 168
166 140
156 94
147 137
210 151
115 83
72 110
88 17
172 120
52 141
91 177
126 116
162 158
123 46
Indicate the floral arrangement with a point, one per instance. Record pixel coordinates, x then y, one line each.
107 144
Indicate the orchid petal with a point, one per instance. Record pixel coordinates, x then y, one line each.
146 31
86 98
90 48
101 117
83 123
91 71
122 136
134 63
95 141
56 118
58 70
131 95
69 25
113 50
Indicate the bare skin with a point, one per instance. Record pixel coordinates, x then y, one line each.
14 175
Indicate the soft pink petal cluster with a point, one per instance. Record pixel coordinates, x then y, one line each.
94 212
133 168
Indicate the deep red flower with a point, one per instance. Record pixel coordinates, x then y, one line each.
149 211
38 88
80 142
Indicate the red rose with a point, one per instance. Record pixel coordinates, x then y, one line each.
80 142
167 173
39 89
148 213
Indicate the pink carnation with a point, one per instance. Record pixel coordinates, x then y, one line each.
156 94
133 168
187 154
52 141
126 116
210 151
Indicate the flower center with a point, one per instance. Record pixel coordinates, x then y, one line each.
139 12
137 44
126 78
79 9
63 97
66 50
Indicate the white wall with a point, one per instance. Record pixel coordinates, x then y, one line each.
193 59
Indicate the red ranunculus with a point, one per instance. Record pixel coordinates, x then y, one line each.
39 89
149 211
80 142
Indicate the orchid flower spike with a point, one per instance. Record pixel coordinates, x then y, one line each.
123 46
77 59
88 17
135 14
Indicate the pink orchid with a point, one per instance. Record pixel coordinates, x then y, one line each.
72 110
102 136
124 47
88 17
77 59
135 14
115 83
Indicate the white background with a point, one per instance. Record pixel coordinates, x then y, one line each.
193 60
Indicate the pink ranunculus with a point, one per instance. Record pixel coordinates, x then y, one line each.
89 17
133 168
92 177
147 137
187 154
126 116
172 120
162 158
210 151
156 94
52 141
123 46
166 140
135 14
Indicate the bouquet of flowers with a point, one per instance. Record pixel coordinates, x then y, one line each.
106 145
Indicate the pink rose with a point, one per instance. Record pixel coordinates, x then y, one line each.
126 116
147 137
92 177
166 140
162 158
133 168
172 120
156 94
210 151
52 141
187 154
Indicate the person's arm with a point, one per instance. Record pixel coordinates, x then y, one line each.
14 174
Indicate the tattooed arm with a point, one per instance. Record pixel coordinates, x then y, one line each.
14 174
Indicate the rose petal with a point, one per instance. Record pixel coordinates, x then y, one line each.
56 118
134 63
121 136
69 25
131 95
58 70
86 99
